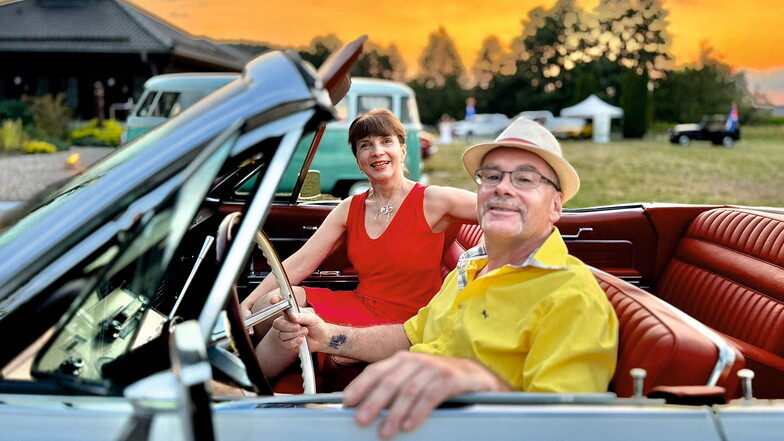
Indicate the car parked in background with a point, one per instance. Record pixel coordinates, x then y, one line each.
560 126
166 96
340 175
427 143
482 125
714 128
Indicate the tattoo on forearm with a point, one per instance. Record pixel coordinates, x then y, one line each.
336 341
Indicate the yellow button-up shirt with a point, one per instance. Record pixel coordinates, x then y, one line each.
543 326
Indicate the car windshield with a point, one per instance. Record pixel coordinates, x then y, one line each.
127 304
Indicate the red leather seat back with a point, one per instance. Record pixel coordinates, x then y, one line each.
657 339
458 239
728 272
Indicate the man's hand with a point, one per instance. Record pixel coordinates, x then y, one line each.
304 324
411 385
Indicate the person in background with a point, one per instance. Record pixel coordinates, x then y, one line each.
445 126
394 234
518 312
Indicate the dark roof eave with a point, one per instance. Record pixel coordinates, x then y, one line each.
208 58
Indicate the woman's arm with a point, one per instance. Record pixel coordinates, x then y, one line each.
304 261
444 205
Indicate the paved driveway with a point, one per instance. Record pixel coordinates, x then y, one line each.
22 176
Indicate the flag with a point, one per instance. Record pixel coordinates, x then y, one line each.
732 119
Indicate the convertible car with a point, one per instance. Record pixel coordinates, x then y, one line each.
119 295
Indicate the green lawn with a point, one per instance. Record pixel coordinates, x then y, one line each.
653 170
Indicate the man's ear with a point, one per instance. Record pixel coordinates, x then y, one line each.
556 207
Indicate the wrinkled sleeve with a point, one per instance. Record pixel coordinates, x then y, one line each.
575 345
415 326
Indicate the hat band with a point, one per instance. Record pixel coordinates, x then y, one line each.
516 141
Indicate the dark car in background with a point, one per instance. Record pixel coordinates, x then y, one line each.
718 129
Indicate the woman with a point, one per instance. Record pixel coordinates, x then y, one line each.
394 234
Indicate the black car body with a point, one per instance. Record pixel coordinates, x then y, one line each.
711 128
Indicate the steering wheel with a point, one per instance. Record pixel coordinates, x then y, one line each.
238 325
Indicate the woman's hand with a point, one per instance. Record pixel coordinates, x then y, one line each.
246 312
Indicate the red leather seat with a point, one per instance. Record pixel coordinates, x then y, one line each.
728 272
658 338
457 239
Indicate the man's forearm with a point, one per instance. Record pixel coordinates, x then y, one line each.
367 344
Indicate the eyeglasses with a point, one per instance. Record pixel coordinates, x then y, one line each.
522 179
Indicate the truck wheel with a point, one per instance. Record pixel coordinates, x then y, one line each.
727 142
684 140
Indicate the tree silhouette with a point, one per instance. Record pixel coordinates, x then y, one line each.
492 61
634 34
439 60
635 103
319 49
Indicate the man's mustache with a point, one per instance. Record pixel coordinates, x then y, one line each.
502 203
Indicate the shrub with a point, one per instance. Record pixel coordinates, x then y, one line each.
50 115
11 135
92 135
15 109
39 147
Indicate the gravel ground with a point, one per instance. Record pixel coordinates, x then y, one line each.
21 176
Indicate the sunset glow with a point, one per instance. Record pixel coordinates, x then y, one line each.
745 35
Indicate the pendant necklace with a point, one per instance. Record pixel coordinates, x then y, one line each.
386 208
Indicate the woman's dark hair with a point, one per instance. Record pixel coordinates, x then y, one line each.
376 122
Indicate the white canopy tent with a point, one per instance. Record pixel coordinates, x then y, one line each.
600 112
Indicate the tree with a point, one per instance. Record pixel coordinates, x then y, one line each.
491 62
320 48
709 87
439 60
544 54
438 86
635 103
399 66
378 62
586 85
634 34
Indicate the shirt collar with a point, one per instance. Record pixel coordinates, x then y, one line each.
551 255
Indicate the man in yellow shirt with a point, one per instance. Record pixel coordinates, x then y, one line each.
518 312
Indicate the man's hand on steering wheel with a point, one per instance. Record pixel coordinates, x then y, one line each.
294 328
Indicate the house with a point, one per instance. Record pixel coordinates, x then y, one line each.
77 46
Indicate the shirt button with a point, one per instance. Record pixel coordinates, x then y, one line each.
459 306
435 345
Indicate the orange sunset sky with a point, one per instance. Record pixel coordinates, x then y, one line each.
746 35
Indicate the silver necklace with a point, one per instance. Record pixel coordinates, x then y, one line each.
386 208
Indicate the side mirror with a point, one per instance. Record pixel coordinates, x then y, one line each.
311 188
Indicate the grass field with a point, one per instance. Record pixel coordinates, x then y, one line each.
653 170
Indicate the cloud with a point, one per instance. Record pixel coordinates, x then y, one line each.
770 82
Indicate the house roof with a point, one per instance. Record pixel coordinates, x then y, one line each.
102 26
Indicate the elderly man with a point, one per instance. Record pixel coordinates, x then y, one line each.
518 312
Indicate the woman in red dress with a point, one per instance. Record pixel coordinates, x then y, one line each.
394 234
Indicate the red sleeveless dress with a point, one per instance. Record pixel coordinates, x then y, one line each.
398 272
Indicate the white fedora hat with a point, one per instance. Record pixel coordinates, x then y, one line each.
531 136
